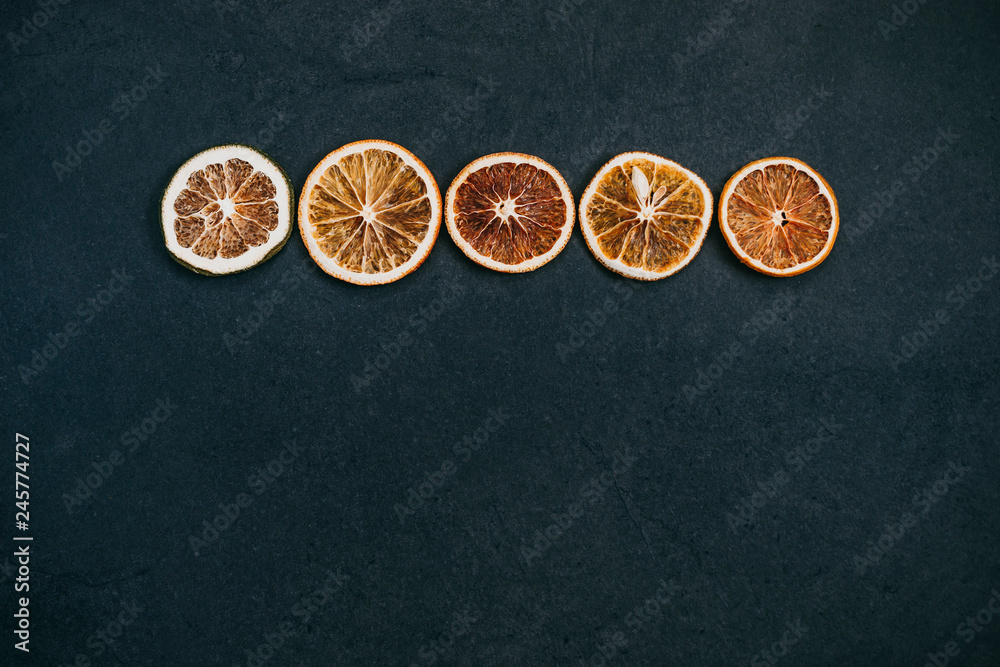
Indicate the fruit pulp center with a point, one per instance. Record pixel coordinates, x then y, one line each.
367 214
779 218
228 208
507 209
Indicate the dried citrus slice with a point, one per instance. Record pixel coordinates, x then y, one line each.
226 210
779 216
370 212
510 212
644 216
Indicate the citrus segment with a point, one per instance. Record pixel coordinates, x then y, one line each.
644 216
226 209
779 216
510 212
370 212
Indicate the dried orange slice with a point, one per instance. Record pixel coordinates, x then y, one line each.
226 210
370 212
510 212
644 216
779 216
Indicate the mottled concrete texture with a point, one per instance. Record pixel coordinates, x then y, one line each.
471 468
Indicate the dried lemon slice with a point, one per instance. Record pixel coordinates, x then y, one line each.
370 212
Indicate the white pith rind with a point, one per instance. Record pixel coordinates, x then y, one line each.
513 158
731 237
423 248
253 256
619 266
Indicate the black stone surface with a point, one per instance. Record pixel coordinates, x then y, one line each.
879 341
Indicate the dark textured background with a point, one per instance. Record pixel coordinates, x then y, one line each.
574 83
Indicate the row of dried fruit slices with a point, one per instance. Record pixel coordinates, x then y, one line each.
370 212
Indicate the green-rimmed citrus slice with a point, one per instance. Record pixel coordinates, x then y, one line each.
370 212
226 210
779 216
510 212
644 216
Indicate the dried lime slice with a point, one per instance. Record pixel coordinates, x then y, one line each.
226 210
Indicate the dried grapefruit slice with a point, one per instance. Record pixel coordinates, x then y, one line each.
644 216
370 212
779 216
510 212
226 210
